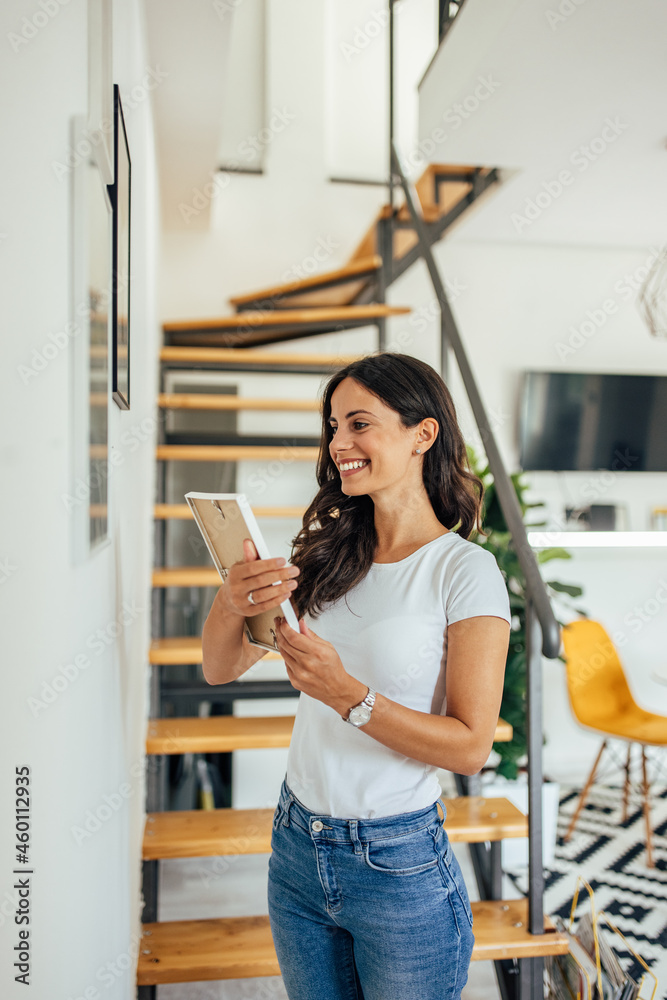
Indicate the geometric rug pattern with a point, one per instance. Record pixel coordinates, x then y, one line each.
611 856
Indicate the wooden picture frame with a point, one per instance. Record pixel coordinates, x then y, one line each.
119 193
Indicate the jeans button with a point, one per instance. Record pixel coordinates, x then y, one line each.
318 825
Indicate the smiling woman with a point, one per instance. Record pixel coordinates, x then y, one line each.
365 895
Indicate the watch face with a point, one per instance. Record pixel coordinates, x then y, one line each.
359 715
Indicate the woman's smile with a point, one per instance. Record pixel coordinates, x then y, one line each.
346 468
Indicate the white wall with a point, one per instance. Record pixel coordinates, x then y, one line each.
85 748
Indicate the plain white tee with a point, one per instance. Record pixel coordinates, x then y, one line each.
390 633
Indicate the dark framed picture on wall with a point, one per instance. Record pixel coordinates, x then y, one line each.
119 193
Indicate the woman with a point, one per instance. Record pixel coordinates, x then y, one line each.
404 675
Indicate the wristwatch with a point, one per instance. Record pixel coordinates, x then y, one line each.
361 713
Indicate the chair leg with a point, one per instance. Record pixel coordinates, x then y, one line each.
646 797
584 794
626 786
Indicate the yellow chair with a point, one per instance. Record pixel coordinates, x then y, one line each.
601 700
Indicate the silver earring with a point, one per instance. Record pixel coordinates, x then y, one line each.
418 451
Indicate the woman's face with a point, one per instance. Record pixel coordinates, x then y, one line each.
366 430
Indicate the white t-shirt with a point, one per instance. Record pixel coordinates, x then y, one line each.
390 632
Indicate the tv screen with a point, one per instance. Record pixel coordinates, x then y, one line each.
576 421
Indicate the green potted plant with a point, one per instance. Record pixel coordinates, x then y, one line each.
511 755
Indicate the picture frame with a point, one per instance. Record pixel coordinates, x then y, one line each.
120 195
88 498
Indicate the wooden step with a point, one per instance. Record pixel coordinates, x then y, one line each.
225 733
198 833
182 951
218 734
332 288
250 357
474 819
450 191
235 452
186 576
186 649
182 512
274 326
223 401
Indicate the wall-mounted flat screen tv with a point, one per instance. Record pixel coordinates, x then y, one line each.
583 421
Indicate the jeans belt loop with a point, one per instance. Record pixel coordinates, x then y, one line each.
444 810
354 837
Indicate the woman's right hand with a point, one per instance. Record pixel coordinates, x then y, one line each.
257 576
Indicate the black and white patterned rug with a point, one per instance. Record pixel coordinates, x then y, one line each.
611 856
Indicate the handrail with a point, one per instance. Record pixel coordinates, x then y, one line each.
506 493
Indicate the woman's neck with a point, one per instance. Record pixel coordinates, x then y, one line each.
407 522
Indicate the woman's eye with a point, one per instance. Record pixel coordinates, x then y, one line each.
357 423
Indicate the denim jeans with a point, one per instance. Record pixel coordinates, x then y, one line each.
367 909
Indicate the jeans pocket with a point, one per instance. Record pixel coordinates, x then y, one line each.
454 877
405 854
277 817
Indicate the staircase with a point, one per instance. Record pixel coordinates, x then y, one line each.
346 298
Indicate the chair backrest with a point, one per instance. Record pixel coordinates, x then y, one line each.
596 682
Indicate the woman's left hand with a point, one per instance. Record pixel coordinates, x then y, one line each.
314 667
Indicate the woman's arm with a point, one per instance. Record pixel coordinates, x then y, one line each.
226 652
459 741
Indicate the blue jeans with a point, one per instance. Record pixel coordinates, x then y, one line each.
367 909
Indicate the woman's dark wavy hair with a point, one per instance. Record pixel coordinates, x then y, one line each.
336 545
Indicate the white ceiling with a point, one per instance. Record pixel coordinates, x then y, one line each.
557 79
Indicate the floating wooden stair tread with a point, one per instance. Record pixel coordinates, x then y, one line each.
218 734
222 401
181 511
182 951
360 268
501 931
286 317
254 356
198 833
225 733
185 649
234 452
474 819
186 576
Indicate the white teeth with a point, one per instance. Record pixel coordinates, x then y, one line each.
352 465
